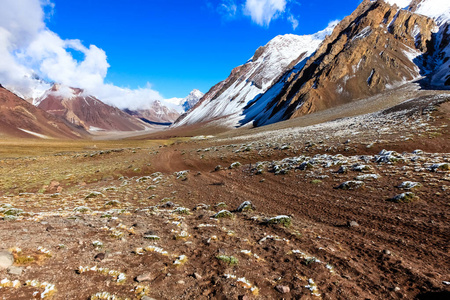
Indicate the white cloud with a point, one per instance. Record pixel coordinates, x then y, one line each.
263 11
293 21
28 47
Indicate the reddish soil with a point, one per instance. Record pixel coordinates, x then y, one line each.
349 244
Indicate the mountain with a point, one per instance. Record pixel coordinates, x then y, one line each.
246 82
185 104
22 119
82 109
191 99
156 113
378 47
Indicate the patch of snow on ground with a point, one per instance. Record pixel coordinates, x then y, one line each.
42 136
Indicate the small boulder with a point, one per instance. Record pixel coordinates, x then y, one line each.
145 277
245 206
13 270
404 198
283 289
6 259
342 170
351 185
352 224
168 204
223 214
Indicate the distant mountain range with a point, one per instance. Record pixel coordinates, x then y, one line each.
379 47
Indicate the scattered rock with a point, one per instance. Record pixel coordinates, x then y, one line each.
404 198
168 204
245 206
94 195
367 177
6 259
223 214
283 289
409 185
342 170
197 276
352 224
351 185
145 277
235 165
386 252
439 167
13 270
99 257
284 220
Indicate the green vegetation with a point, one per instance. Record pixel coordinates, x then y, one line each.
231 260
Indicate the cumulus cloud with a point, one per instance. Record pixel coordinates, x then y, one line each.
263 11
29 51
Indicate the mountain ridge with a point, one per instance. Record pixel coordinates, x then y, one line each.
79 108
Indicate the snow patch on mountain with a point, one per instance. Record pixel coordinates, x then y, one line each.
191 99
439 10
399 3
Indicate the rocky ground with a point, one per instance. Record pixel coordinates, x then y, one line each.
356 208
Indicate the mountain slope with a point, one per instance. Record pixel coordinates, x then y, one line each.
229 97
84 110
373 49
378 47
22 119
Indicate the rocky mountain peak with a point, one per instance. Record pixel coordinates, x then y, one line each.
79 108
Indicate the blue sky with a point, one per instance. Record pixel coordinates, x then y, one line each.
179 45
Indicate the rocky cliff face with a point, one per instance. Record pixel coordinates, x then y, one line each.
21 119
84 110
375 48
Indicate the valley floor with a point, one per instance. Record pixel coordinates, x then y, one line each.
356 208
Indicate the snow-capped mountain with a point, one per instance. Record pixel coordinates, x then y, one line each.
156 113
380 46
82 109
185 104
22 119
229 97
192 99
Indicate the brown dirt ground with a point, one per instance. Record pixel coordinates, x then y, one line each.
398 251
